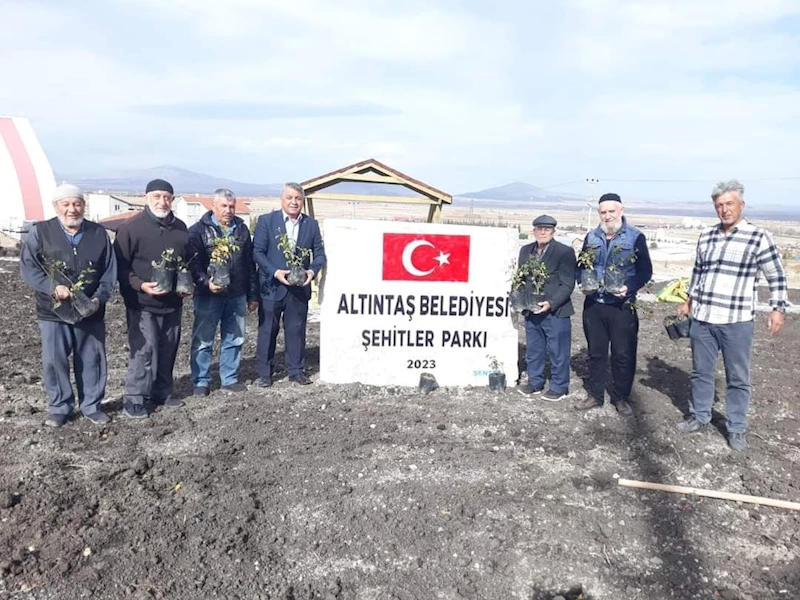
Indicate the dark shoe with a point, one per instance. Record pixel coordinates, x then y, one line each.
691 426
56 420
552 396
235 387
528 390
623 408
300 378
98 418
737 441
265 382
172 402
588 403
200 390
135 411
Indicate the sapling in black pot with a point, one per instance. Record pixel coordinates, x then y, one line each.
590 282
614 278
219 267
78 306
79 300
295 259
527 285
164 271
184 284
497 379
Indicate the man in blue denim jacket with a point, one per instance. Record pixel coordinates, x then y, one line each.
619 252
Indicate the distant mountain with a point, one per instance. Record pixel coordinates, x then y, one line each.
519 191
183 180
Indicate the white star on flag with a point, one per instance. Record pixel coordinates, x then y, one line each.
444 259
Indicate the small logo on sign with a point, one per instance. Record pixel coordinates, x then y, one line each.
419 257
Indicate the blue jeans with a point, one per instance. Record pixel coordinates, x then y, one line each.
229 314
554 335
735 340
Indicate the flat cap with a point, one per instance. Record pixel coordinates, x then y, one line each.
544 221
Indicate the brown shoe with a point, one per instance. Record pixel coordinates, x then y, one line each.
588 403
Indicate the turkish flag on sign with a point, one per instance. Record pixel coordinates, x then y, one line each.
421 257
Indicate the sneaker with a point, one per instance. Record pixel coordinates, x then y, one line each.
235 387
98 418
588 403
135 411
200 390
265 382
737 441
300 378
528 390
623 408
56 420
172 402
691 426
552 396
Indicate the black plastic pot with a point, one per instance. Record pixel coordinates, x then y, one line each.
497 381
614 281
427 383
184 283
525 298
66 311
677 327
164 278
297 275
82 304
220 274
590 282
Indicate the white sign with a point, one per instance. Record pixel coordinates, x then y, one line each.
401 299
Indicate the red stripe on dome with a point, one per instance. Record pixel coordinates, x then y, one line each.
26 173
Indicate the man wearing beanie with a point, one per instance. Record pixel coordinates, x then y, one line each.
80 247
153 315
610 318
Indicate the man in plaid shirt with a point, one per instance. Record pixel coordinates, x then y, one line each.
722 297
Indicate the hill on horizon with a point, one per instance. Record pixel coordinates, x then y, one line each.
183 180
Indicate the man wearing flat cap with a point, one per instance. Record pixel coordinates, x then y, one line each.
618 251
57 255
548 330
153 315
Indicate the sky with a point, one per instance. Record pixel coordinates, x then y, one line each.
655 99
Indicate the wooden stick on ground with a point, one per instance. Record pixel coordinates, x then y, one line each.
646 485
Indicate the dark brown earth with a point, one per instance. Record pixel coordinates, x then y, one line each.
358 492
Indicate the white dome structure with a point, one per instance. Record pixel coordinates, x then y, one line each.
26 178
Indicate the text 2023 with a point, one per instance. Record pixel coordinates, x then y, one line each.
421 364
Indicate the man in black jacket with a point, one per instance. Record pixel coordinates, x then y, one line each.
549 329
222 305
153 315
55 254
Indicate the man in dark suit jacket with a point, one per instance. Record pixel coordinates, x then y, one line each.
549 328
278 296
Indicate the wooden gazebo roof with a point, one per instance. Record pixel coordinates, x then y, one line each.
373 171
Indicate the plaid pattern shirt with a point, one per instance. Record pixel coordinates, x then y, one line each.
726 272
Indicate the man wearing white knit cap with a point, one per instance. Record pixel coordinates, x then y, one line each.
70 264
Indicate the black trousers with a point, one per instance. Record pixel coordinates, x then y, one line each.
617 325
153 340
294 309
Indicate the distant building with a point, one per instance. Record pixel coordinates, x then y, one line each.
100 206
189 209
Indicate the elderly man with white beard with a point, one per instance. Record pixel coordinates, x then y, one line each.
153 314
618 251
57 253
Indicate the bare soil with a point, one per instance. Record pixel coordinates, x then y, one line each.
341 492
